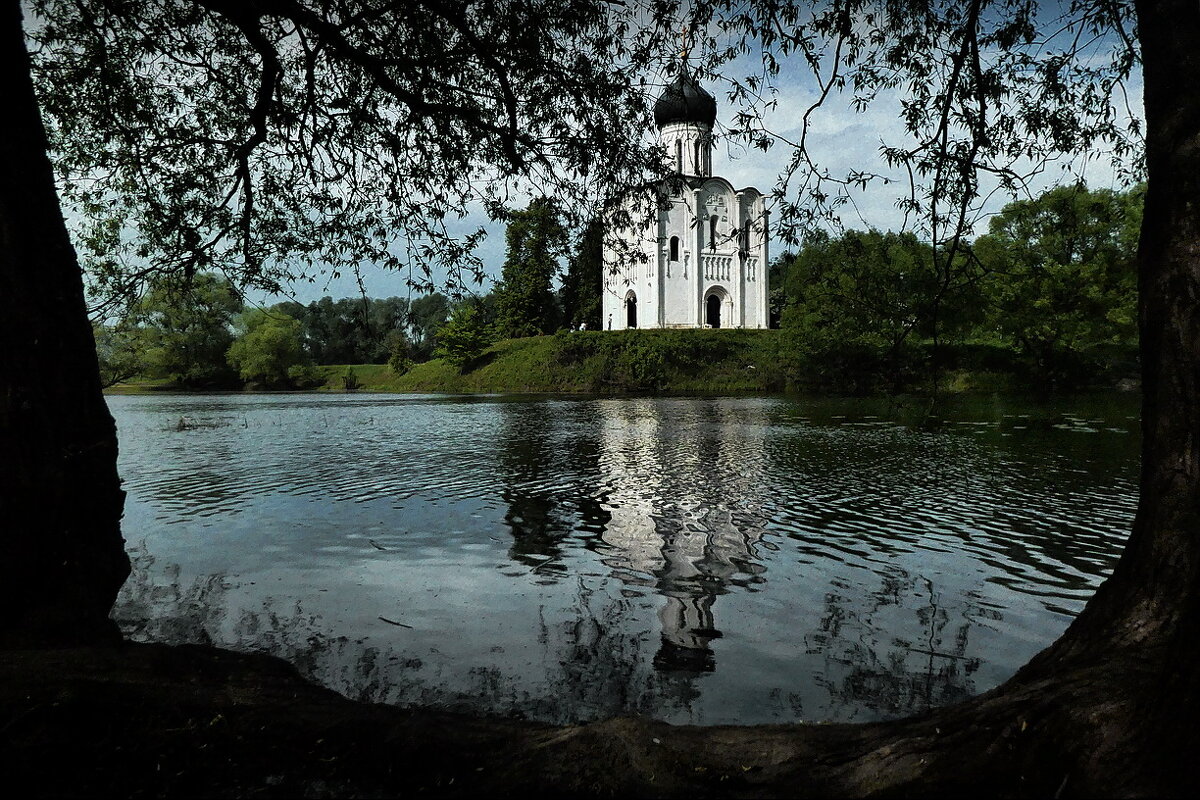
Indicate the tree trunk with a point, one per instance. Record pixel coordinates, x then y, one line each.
1154 592
60 497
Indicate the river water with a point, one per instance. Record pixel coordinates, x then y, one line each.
701 560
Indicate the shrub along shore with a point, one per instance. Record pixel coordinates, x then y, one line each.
713 361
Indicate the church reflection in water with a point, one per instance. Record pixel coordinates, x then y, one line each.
681 501
673 524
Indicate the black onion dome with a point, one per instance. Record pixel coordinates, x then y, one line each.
684 100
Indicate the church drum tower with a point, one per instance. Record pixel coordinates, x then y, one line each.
704 258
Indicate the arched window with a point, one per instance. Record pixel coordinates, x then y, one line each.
674 248
744 237
712 232
679 155
696 161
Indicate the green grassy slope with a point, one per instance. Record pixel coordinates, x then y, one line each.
617 361
700 361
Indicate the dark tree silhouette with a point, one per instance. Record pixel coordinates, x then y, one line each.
580 293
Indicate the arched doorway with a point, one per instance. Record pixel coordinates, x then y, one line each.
631 310
712 311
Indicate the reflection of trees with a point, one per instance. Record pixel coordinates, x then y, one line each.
549 482
155 606
602 672
672 497
869 666
593 666
526 455
593 660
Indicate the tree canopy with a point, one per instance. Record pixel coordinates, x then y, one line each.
1049 294
184 333
863 286
268 348
1061 274
350 330
579 296
273 140
987 93
464 336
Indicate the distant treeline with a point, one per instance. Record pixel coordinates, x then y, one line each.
1048 295
202 336
199 334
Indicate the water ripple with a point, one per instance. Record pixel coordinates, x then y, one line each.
718 559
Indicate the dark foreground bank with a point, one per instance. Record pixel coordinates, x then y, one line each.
140 720
153 720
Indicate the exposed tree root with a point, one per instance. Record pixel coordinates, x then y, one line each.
152 719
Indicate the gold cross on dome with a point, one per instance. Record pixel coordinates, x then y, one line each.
685 39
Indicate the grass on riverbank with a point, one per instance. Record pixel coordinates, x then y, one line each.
144 386
593 362
697 361
728 361
722 362
618 361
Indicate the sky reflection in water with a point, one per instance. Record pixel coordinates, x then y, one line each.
706 560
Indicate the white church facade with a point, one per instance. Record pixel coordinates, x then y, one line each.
703 262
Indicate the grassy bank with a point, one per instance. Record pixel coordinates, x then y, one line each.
618 361
706 361
733 361
144 386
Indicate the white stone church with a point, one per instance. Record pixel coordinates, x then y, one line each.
706 256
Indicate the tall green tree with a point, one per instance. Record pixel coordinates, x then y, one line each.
185 330
525 302
428 314
352 330
862 287
385 315
579 296
777 273
119 351
1062 276
855 303
399 351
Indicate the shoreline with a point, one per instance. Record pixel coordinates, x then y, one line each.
137 719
